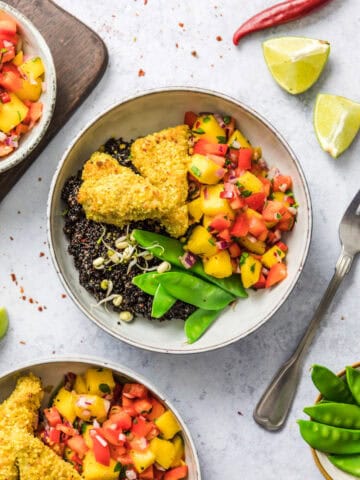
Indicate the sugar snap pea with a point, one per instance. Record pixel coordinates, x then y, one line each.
198 322
147 282
353 380
335 414
162 302
330 439
330 385
195 291
347 463
171 250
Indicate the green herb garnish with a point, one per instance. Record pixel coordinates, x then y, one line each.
104 388
221 139
227 119
196 171
199 131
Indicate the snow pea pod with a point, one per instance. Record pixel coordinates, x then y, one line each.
171 250
347 463
147 282
330 439
162 302
195 291
353 380
198 322
335 414
330 385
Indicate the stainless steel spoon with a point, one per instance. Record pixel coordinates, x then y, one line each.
273 408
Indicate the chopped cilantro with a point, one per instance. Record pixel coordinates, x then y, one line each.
196 171
243 258
221 139
252 268
289 193
19 115
279 252
211 241
278 215
199 131
104 388
206 119
226 119
295 205
246 193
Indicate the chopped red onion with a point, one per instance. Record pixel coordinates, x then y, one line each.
188 259
206 193
220 120
292 210
222 244
273 172
220 172
3 136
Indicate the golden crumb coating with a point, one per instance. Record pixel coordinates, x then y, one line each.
111 193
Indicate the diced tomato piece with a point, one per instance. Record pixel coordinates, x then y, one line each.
256 226
234 156
266 184
240 227
260 283
5 97
54 435
276 274
8 55
158 474
100 447
112 433
190 118
263 236
52 415
70 431
78 445
7 26
273 211
122 419
157 409
36 109
217 159
225 235
138 443
125 459
282 246
281 183
117 451
135 390
234 250
286 222
10 67
154 432
10 81
142 405
141 428
176 473
237 202
220 222
204 147
256 201
7 37
274 237
128 406
5 150
147 474
20 129
244 158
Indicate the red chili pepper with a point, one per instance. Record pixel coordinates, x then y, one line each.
276 15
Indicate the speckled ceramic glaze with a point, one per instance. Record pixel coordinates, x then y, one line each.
149 113
34 44
52 371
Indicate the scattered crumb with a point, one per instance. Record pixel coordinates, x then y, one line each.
13 278
22 342
240 413
23 297
41 254
31 300
181 25
141 73
134 39
176 45
219 38
39 179
22 290
18 212
63 295
40 309
194 53
342 317
145 2
11 238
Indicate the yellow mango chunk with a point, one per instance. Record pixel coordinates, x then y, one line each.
18 59
207 128
272 256
279 196
218 265
32 68
99 381
168 425
80 385
250 183
92 470
85 429
239 139
91 406
12 113
250 269
207 219
179 451
212 203
204 169
201 242
195 209
64 402
258 247
164 451
30 91
142 460
252 213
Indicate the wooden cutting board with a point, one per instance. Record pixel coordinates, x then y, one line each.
72 44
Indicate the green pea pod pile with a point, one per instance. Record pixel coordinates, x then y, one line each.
334 427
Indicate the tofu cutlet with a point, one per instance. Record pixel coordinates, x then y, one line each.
111 193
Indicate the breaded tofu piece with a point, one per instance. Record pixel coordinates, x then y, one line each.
36 461
99 165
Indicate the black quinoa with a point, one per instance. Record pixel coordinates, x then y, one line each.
85 247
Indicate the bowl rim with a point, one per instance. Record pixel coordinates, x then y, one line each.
18 156
123 370
247 109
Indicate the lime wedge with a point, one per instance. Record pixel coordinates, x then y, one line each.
4 322
336 122
296 62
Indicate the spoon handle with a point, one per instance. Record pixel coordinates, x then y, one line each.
273 408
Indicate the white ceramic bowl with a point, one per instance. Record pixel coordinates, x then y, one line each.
34 44
51 372
146 114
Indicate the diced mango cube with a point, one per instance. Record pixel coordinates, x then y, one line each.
195 209
99 381
91 406
142 459
272 256
254 247
218 265
179 450
207 128
212 203
201 242
30 90
207 219
239 139
164 451
12 113
168 425
280 196
80 385
19 58
204 169
250 269
253 213
85 431
92 470
64 402
32 68
250 183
